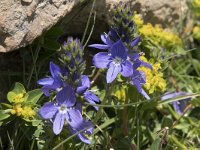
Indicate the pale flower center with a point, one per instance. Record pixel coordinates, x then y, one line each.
63 109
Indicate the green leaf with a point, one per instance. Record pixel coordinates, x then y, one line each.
166 122
6 106
18 88
156 144
54 32
34 96
10 96
3 115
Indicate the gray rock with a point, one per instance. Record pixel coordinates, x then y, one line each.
23 21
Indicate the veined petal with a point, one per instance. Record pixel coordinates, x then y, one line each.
177 107
58 123
112 72
99 46
145 94
135 42
104 38
83 85
119 50
91 96
127 69
169 95
48 110
54 69
66 96
45 89
101 60
74 118
146 65
45 81
135 56
114 34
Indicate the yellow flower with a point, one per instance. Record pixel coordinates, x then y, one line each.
17 110
137 19
120 93
19 98
156 34
196 32
196 3
154 78
28 112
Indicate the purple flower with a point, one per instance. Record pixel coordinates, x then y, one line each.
83 87
110 38
83 135
138 80
106 40
62 110
117 61
54 82
179 106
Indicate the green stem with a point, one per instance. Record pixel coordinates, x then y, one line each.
67 139
100 111
88 21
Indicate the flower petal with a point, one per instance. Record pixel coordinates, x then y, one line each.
147 65
84 125
127 69
74 118
112 72
83 85
119 50
45 81
99 46
135 42
54 69
91 96
101 60
66 96
58 123
48 110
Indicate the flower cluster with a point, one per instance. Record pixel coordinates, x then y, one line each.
194 5
68 86
154 77
18 97
163 38
122 56
196 33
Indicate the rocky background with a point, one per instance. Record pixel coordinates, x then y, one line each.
23 21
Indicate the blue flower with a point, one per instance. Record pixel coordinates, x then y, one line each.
179 106
110 38
106 40
83 135
117 61
54 82
83 87
62 110
138 80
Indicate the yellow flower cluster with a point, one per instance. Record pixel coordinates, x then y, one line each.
154 78
196 32
24 111
20 108
120 93
163 38
19 98
196 3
